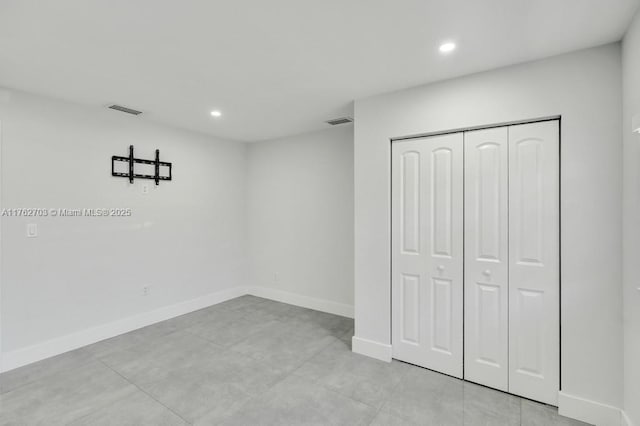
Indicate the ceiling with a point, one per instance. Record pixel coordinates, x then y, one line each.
277 67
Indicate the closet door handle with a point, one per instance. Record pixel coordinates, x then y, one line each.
440 268
486 273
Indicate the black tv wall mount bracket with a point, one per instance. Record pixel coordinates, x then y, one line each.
132 160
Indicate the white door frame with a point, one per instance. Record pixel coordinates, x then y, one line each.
557 118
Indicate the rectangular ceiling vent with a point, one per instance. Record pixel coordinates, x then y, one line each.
125 109
341 120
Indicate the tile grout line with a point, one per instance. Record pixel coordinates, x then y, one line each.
95 357
207 339
90 359
393 391
327 388
377 409
320 384
277 318
143 391
286 375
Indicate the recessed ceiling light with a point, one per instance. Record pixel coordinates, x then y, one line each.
447 47
216 113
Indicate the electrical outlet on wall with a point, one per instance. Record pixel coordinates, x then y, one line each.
145 188
146 290
32 230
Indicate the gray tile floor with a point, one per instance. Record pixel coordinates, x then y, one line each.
248 361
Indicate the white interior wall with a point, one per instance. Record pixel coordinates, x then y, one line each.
631 211
45 280
585 89
82 277
300 219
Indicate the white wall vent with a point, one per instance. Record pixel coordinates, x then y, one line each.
341 120
125 109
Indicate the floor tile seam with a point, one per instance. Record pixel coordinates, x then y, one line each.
305 333
294 373
212 310
202 339
210 341
327 387
401 415
251 334
464 390
378 410
249 398
91 358
146 393
336 393
95 410
154 365
288 374
192 324
390 397
49 376
278 334
151 362
386 400
345 364
143 341
350 399
403 375
103 405
310 357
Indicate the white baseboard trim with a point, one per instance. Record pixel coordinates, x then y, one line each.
626 421
371 349
57 346
323 305
60 345
588 411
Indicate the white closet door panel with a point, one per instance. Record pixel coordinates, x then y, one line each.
534 267
486 257
427 252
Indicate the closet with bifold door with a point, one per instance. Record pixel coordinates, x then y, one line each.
475 277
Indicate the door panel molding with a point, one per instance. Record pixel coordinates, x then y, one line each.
486 258
436 258
534 267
